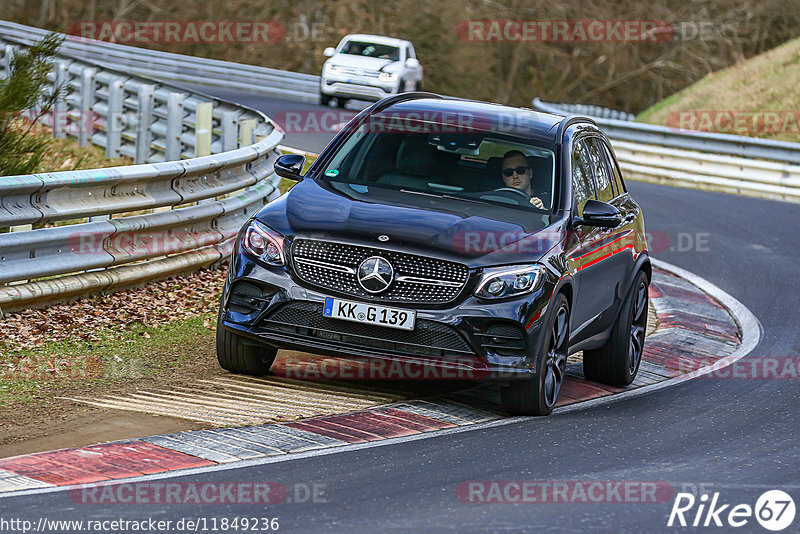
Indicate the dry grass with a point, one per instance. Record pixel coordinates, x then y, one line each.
769 82
67 155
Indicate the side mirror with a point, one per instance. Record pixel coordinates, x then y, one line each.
412 63
329 51
290 166
596 213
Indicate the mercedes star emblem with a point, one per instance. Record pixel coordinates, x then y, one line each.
375 274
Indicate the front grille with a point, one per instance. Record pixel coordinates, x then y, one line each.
503 339
334 265
429 338
352 71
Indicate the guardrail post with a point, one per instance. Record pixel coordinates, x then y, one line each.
60 120
230 133
85 111
174 126
246 130
144 119
21 228
114 121
8 55
202 129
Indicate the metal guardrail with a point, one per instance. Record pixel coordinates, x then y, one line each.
180 68
720 162
73 232
138 117
765 179
716 143
590 110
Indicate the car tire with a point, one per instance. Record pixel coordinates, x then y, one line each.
341 102
538 395
325 100
617 362
235 356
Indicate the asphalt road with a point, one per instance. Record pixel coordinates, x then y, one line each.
736 437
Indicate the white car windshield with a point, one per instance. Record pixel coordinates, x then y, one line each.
366 49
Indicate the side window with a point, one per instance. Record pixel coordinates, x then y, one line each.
600 170
410 52
619 187
582 185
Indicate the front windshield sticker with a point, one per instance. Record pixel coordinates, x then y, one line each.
332 172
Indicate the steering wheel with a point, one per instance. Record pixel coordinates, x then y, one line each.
513 190
513 194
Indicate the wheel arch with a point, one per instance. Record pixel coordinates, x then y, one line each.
565 285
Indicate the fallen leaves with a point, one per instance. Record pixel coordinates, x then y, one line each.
89 319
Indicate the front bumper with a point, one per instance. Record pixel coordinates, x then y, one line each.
473 339
358 88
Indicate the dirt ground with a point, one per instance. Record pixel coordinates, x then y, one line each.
55 423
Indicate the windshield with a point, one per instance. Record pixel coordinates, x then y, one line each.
362 48
478 169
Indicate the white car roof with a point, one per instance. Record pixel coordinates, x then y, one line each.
378 39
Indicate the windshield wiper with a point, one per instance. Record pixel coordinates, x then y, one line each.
445 195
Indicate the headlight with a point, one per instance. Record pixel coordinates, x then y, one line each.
388 76
264 243
332 69
500 282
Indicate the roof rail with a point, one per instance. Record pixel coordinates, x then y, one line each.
401 97
570 120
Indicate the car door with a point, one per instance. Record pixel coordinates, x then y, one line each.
604 259
583 189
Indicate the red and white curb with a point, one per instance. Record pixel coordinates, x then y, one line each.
696 333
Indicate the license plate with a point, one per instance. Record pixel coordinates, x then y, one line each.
360 312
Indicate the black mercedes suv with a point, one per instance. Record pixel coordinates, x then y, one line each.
453 233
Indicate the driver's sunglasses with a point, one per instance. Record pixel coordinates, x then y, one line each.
512 170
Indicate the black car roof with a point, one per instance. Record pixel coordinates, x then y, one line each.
474 114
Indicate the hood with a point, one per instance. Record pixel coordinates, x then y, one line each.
360 62
313 211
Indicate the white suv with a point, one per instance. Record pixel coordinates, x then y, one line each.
369 67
